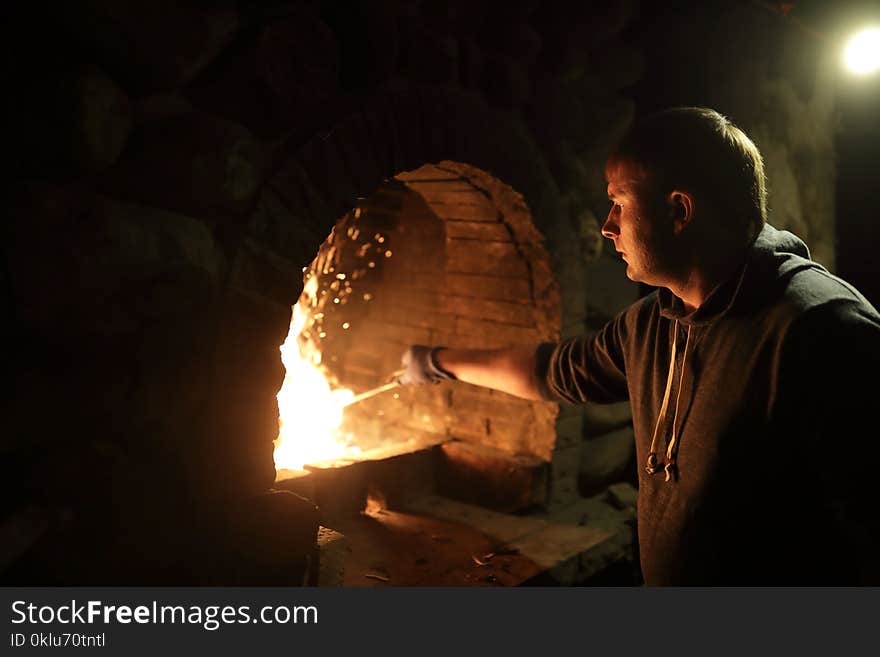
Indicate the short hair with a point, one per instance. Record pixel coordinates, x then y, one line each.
701 151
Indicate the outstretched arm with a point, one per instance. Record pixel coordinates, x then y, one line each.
509 370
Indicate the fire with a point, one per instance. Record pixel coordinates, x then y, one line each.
310 411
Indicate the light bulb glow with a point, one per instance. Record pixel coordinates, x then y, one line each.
862 54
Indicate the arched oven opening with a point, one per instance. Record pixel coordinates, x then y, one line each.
443 255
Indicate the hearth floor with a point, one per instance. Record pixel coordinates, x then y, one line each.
435 541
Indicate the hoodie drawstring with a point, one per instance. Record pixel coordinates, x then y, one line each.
669 464
651 466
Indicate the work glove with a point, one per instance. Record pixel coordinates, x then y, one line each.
419 366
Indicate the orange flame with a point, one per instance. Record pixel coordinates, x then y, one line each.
310 411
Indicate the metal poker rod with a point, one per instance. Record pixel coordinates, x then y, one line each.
375 391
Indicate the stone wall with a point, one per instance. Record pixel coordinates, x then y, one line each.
178 164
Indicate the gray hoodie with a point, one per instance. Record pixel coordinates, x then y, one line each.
753 419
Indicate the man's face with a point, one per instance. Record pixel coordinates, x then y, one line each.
638 224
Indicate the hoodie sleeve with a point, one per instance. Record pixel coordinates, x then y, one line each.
836 351
585 368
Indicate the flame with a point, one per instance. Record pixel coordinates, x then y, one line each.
310 411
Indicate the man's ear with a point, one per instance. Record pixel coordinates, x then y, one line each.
681 204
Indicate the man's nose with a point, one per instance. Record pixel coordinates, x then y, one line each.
610 229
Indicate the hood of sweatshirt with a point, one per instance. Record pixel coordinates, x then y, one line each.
772 250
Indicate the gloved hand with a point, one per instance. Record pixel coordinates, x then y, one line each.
419 366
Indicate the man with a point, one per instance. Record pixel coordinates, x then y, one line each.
750 371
